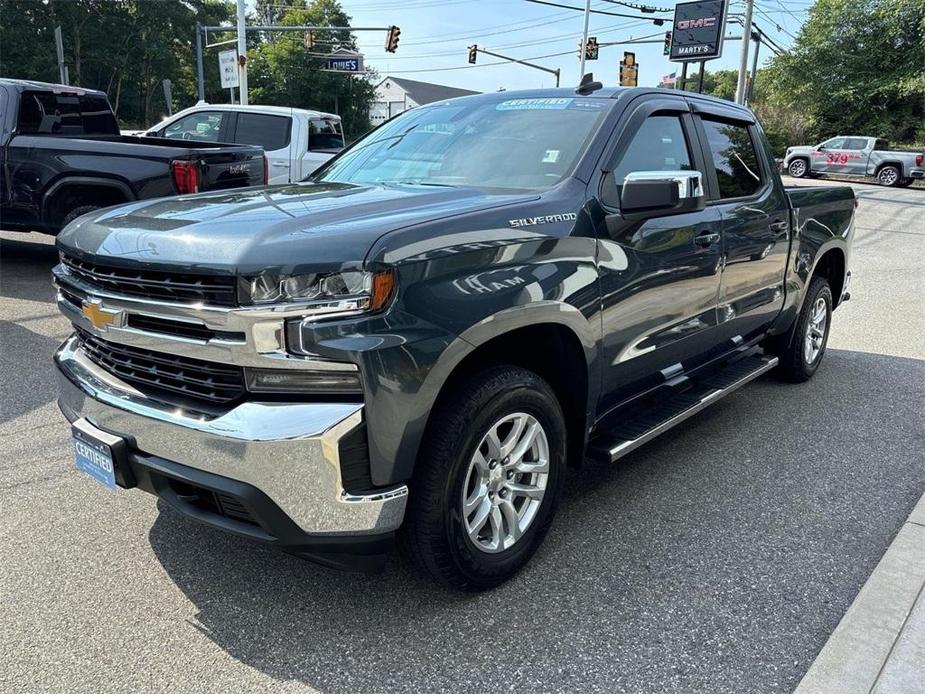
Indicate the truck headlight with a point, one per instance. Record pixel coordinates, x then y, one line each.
353 291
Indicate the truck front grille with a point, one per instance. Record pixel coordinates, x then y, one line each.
164 285
148 370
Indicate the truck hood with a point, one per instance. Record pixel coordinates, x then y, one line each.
800 149
321 226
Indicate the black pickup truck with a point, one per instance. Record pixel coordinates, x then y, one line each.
418 341
61 156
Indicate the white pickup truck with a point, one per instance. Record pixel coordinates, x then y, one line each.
296 141
856 155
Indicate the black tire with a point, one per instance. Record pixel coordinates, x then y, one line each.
905 183
794 366
889 175
433 537
798 168
77 212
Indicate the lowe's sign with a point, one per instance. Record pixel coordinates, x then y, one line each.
698 29
344 61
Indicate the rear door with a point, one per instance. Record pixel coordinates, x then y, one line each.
755 220
274 134
855 153
659 278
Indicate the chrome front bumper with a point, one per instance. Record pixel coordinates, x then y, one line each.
289 451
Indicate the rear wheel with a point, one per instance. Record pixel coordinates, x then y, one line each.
800 352
889 176
798 168
488 480
77 212
905 183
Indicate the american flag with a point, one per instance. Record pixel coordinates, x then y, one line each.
669 79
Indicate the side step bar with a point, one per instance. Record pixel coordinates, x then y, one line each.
634 432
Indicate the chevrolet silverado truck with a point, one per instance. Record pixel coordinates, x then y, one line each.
61 156
852 155
415 344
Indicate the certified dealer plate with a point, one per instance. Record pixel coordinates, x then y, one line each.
94 457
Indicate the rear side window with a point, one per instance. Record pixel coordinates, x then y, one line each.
269 132
734 158
46 113
325 134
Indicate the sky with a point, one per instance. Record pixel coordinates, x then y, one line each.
435 35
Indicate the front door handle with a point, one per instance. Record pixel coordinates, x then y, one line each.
779 225
706 238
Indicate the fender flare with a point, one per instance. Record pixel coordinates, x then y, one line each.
99 181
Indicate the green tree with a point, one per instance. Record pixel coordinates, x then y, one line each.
857 66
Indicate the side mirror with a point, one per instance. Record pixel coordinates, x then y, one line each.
661 193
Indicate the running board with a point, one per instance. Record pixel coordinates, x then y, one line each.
634 432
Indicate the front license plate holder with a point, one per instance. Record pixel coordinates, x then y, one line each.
101 455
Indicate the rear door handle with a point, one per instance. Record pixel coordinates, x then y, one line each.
706 238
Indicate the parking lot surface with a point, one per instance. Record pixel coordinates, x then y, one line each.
718 558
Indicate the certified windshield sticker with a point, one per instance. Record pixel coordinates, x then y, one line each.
551 156
550 104
548 219
588 104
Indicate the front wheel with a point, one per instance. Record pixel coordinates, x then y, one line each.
488 480
798 168
801 353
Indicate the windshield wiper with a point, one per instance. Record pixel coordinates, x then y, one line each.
413 182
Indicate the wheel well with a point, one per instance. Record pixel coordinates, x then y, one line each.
551 351
77 194
895 164
832 266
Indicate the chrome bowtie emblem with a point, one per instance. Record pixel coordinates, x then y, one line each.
101 318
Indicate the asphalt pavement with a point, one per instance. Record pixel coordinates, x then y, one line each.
718 558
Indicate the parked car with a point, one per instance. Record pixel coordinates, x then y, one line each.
853 155
296 141
421 339
61 156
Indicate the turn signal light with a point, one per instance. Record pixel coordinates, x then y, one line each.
383 286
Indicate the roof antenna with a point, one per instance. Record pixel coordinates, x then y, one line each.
588 85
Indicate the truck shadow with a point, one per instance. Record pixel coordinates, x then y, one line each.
25 267
718 557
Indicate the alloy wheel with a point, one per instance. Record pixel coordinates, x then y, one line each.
815 332
505 482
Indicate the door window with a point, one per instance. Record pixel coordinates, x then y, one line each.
325 134
204 126
855 143
734 158
269 132
834 143
658 145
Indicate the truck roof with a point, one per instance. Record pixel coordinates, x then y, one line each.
259 108
30 85
602 93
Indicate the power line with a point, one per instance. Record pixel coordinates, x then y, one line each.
656 20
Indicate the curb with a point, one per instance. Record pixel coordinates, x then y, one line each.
879 645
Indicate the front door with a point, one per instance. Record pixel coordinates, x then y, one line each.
830 157
756 225
659 278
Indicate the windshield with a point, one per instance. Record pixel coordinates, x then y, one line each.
527 144
47 113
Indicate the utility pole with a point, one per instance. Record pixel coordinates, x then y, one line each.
242 55
743 57
751 80
59 46
200 80
584 43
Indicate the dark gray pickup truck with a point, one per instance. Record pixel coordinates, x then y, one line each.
61 156
419 341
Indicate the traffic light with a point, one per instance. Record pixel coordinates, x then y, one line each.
667 49
473 53
309 40
391 41
591 50
629 70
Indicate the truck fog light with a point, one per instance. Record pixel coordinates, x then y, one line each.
303 381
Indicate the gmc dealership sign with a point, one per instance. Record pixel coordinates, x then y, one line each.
697 33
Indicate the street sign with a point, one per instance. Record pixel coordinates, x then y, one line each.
697 33
228 68
344 61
